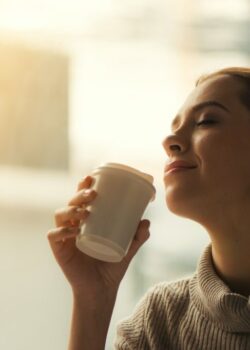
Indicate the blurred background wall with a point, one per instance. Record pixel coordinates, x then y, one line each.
34 111
83 83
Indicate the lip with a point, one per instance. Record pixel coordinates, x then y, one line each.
178 166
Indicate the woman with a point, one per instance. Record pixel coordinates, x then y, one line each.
207 179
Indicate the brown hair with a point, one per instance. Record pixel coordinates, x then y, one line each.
242 74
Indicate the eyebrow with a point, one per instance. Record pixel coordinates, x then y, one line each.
200 106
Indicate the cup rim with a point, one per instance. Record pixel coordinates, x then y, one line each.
149 178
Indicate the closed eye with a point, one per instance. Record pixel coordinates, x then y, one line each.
206 122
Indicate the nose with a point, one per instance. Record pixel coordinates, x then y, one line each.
174 144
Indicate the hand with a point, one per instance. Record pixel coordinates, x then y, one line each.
86 275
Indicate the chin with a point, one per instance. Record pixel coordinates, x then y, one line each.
180 204
176 208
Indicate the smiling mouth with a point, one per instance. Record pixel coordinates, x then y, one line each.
177 170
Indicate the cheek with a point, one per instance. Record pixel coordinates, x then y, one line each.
216 154
223 157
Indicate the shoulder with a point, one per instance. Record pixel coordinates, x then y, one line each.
173 289
168 296
156 310
163 295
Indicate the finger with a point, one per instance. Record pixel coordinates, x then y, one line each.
141 236
86 182
70 215
60 234
65 216
83 197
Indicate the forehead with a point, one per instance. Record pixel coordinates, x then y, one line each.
223 89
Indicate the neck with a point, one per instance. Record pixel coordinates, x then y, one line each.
229 229
231 258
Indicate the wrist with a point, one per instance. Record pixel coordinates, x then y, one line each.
94 300
90 315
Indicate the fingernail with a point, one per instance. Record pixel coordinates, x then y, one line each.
80 210
88 192
88 177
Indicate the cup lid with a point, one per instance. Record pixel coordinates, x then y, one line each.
145 176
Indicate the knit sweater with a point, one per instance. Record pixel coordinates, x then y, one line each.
196 313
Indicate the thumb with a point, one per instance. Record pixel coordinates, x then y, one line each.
141 236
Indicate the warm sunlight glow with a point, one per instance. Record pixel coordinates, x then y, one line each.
51 15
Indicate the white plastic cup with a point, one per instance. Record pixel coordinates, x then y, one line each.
123 194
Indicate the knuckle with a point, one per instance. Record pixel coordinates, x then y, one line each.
76 211
89 192
84 181
63 230
71 201
50 233
82 192
58 212
72 210
81 182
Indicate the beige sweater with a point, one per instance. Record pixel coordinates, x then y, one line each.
198 313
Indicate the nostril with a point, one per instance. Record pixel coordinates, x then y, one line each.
174 147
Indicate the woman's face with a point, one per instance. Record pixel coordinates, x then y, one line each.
212 133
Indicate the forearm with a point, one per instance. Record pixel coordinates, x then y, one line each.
90 323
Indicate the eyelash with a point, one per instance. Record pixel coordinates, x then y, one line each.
206 122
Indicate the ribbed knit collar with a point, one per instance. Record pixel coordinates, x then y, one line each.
213 298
